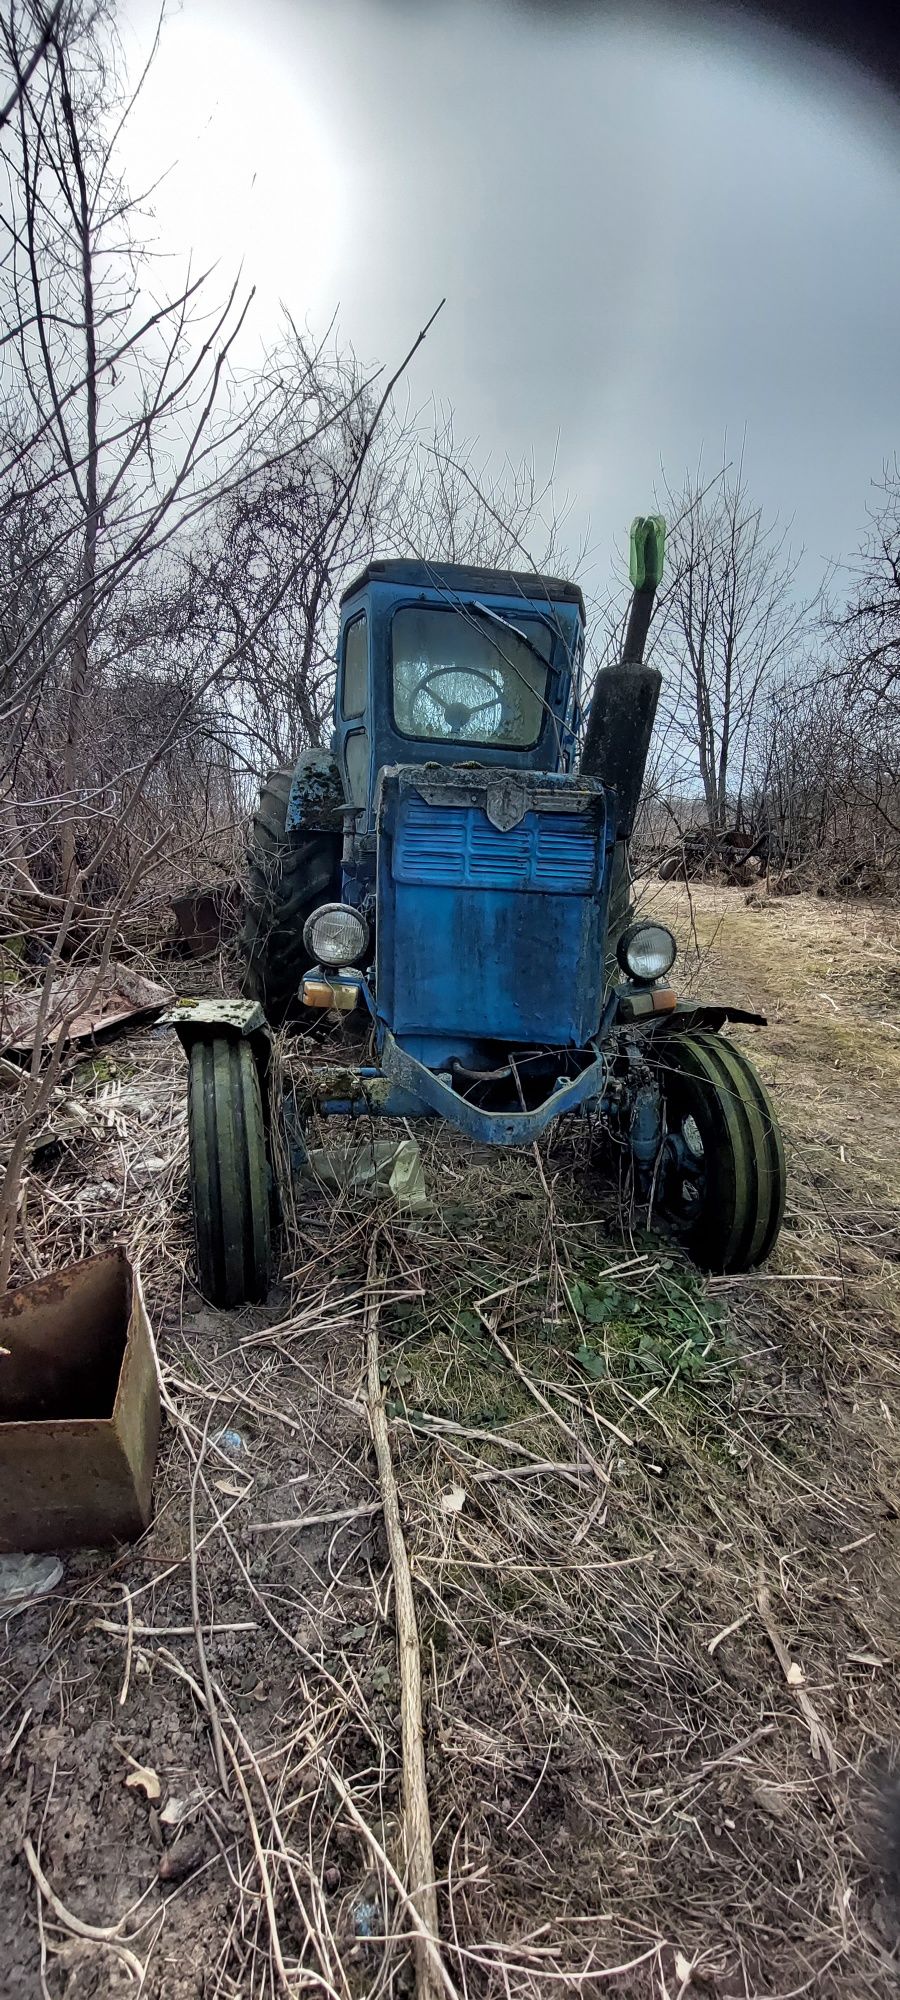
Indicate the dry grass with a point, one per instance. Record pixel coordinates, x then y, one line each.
653 1533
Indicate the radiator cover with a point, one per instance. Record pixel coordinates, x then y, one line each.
492 890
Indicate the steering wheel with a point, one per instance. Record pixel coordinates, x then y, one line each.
458 714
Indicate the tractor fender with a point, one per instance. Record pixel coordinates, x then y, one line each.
215 1019
199 1020
317 799
689 1015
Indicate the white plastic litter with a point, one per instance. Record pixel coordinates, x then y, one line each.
23 1578
380 1166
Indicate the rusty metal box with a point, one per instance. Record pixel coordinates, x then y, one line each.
79 1408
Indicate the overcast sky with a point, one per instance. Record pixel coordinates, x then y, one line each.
648 234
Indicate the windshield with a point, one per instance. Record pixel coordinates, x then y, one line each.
461 679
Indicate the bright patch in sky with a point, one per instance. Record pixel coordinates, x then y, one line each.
253 169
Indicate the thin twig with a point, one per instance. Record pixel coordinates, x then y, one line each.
428 1942
129 1646
109 1935
315 1520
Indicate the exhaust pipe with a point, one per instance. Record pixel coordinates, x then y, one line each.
623 708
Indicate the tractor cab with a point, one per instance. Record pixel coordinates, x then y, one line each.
441 663
473 854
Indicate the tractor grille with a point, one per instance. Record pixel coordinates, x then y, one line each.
450 847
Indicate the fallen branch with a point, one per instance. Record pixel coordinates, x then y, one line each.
138 1630
381 1855
541 1465
430 1979
205 1675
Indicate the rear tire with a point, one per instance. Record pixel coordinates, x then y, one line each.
722 1174
289 874
229 1172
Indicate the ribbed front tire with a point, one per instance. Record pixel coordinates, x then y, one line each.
229 1172
722 1174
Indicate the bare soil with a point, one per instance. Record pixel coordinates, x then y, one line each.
653 1524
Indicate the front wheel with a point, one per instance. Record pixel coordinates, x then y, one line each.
721 1175
229 1172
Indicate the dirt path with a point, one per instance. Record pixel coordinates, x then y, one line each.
660 1623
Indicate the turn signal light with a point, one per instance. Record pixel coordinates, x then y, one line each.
320 993
653 1000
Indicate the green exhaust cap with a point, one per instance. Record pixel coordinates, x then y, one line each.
648 542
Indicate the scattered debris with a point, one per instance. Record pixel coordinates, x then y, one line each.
23 1578
382 1166
144 1779
175 1811
368 1919
67 1117
729 855
178 1862
230 1441
820 1739
206 916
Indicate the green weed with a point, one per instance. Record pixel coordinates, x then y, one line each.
665 1332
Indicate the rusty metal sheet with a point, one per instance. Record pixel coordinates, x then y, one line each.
204 916
79 1408
81 1006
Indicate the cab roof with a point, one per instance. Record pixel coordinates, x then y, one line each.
465 577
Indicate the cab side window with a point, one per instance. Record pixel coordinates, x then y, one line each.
356 661
356 752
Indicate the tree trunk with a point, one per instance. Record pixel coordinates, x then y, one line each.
81 646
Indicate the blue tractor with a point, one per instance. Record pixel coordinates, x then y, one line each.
454 872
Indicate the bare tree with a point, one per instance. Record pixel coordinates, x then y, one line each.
865 634
826 757
126 442
729 618
45 23
446 506
262 587
266 584
116 431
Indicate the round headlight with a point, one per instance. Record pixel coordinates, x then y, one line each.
335 934
646 951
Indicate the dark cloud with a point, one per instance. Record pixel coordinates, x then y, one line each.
862 32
